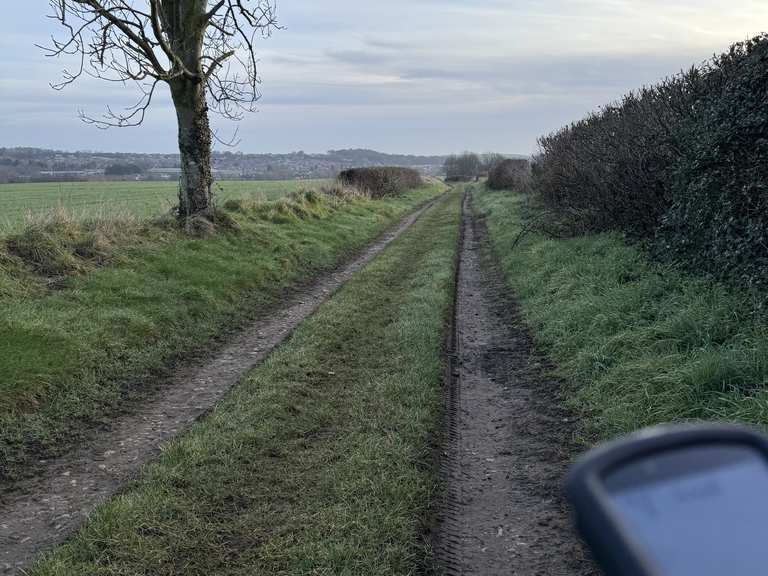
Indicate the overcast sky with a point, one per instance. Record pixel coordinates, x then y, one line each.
415 76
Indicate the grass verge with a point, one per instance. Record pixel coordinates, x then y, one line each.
144 199
639 343
71 357
321 461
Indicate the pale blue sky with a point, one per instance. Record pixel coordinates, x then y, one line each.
418 76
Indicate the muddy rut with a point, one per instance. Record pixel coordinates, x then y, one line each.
508 439
41 512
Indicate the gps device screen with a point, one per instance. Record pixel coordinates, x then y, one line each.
697 511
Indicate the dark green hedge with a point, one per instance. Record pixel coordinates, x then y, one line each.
508 174
683 164
383 181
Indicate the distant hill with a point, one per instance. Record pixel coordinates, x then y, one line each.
361 157
40 165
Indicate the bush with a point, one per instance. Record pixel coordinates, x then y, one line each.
123 170
508 174
381 182
680 165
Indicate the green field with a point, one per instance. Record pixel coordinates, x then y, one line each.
21 202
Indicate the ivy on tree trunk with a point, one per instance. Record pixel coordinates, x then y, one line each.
194 148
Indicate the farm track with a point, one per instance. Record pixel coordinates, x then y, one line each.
508 439
41 512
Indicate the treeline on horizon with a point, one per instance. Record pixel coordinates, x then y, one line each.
681 166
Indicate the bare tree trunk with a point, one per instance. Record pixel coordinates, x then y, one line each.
194 147
197 47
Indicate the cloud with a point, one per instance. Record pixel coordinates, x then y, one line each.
364 58
413 75
389 44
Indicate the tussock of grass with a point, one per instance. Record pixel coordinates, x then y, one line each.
640 343
320 462
234 205
57 244
295 206
73 356
16 281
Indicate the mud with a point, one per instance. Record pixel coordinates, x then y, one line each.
509 440
43 511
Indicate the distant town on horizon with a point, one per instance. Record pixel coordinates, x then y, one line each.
23 164
42 165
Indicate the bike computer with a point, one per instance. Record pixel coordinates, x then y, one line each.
676 501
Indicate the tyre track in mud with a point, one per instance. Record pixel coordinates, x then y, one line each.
508 440
41 512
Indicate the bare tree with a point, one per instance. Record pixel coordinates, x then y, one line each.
490 160
202 49
465 167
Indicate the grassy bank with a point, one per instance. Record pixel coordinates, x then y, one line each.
74 351
638 343
320 462
20 202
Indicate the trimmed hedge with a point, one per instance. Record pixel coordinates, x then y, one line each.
380 182
683 165
508 174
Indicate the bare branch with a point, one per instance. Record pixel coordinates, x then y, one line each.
212 12
151 41
231 143
230 69
133 115
126 27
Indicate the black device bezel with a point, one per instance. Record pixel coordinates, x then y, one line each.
615 549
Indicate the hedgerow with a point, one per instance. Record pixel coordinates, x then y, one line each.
509 174
380 182
682 165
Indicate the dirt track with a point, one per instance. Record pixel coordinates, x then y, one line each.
41 512
509 440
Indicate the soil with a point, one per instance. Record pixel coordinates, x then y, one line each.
41 512
509 439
